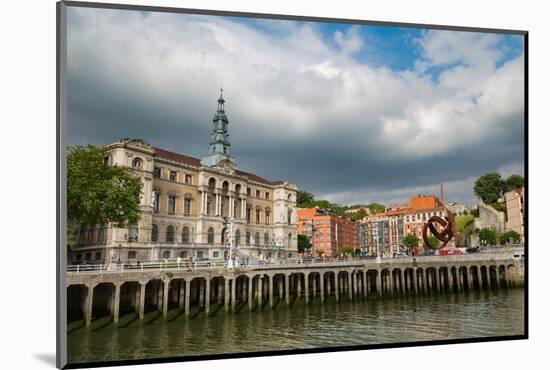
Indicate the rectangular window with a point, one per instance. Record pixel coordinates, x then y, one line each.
156 202
187 206
156 172
188 179
248 215
266 195
132 255
257 216
200 254
97 256
173 176
166 254
133 234
257 193
171 204
183 254
248 191
267 214
215 254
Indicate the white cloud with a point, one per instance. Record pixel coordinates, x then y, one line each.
350 41
289 85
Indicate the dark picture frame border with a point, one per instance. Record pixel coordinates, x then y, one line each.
61 186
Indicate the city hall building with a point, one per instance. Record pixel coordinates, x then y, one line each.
188 205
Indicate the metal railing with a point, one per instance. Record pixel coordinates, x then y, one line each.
192 265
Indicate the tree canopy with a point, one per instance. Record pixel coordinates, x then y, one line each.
304 244
513 182
410 241
303 197
99 194
488 236
491 186
509 236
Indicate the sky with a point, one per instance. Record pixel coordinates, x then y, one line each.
353 114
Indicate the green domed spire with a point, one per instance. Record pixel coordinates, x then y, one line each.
219 139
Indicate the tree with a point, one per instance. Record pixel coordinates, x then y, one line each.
304 244
509 236
488 236
410 241
99 194
513 182
346 251
489 187
303 197
376 208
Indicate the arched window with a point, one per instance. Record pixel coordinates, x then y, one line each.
266 239
248 238
210 235
267 216
257 239
238 237
170 234
137 164
185 235
154 233
238 188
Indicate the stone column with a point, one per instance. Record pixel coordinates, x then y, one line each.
226 294
165 298
207 296
187 296
356 283
89 303
243 209
142 287
287 289
322 286
116 308
271 291
233 292
306 286
379 282
427 278
350 291
336 286
250 287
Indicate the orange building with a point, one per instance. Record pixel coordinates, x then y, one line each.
328 233
400 220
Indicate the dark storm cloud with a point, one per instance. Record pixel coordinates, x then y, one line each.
298 109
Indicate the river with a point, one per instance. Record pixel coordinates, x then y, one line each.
461 315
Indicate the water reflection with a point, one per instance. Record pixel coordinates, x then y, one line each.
399 319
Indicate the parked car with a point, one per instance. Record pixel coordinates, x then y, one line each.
450 252
472 249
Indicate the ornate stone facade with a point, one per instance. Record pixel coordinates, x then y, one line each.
187 204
